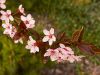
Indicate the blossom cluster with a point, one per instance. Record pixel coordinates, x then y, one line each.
60 54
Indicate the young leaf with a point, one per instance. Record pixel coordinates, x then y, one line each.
86 47
77 35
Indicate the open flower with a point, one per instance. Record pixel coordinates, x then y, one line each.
49 36
52 53
68 54
62 54
28 21
2 5
6 16
21 9
32 45
8 28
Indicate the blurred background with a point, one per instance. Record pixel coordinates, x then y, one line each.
63 15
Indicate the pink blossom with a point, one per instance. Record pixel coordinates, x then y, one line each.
62 54
8 28
28 21
49 36
6 16
2 5
32 45
52 53
21 9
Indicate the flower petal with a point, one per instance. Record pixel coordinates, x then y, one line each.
46 32
45 39
36 48
53 38
52 31
50 42
23 18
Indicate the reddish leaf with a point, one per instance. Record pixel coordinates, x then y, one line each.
77 35
22 26
85 47
95 49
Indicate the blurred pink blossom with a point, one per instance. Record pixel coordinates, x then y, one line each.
62 54
28 21
32 45
6 16
2 5
52 53
8 28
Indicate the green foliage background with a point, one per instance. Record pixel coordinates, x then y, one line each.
66 15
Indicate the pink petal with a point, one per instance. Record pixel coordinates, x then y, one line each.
68 48
32 50
8 12
4 25
62 45
3 6
31 39
47 54
32 21
46 32
53 58
45 39
50 42
29 17
11 18
23 18
2 1
37 48
52 31
53 38
2 12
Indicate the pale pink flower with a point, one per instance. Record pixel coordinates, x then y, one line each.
49 36
28 21
52 53
68 54
6 16
2 5
8 28
21 9
62 54
32 45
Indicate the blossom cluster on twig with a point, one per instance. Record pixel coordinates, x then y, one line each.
19 25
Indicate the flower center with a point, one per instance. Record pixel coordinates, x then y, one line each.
50 36
8 27
27 22
7 15
52 52
34 44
